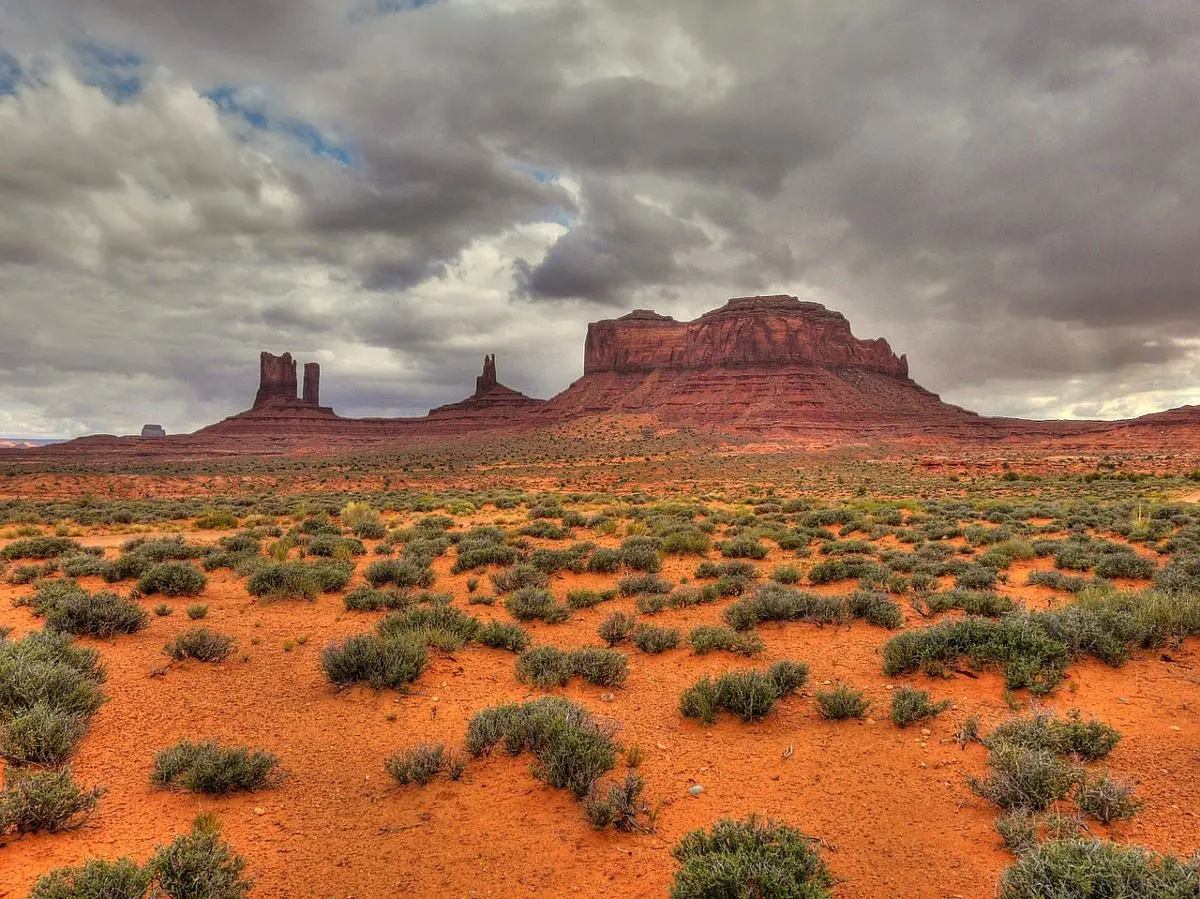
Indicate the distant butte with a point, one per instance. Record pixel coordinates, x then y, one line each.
758 366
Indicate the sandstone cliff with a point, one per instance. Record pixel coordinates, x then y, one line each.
745 332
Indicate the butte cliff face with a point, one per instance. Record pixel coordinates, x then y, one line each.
760 364
746 332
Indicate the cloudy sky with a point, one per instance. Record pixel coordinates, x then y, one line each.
1009 192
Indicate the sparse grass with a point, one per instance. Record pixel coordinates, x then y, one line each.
617 628
616 805
750 859
1106 799
211 768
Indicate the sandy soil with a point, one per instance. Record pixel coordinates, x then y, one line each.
890 805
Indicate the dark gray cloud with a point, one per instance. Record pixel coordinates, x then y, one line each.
1005 191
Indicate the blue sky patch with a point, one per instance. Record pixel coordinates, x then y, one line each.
116 72
10 73
230 101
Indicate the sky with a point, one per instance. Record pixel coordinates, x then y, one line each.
1008 192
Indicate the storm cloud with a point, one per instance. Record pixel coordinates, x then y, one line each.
395 187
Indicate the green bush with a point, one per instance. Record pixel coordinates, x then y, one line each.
547 666
742 548
40 734
200 865
400 573
1106 799
96 615
653 639
519 577
172 579
302 580
751 859
418 765
200 643
572 751
706 638
910 706
585 599
1023 778
604 561
1018 829
370 659
841 703
616 805
211 768
503 635
440 626
534 603
973 602
44 547
95 879
44 801
617 627
773 602
748 694
1089 869
1087 740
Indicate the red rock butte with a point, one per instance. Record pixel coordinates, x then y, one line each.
761 366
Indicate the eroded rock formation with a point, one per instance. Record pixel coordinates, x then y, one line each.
491 401
745 332
153 431
312 383
276 377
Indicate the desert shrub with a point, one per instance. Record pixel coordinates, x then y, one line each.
686 541
172 579
975 577
743 570
1128 565
773 602
44 801
616 805
403 573
1018 829
370 599
1087 868
554 560
214 769
742 548
1056 580
45 669
618 627
585 599
96 615
1088 740
654 639
829 571
200 643
786 574
196 611
441 626
748 694
503 635
43 547
973 602
572 751
82 565
706 638
1106 799
217 520
604 561
418 765
200 865
875 608
841 703
518 577
652 603
910 706
641 557
1020 777
329 546
370 659
40 734
163 549
750 859
534 603
545 529
787 676
633 584
27 574
603 667
95 879
545 667
1180 575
